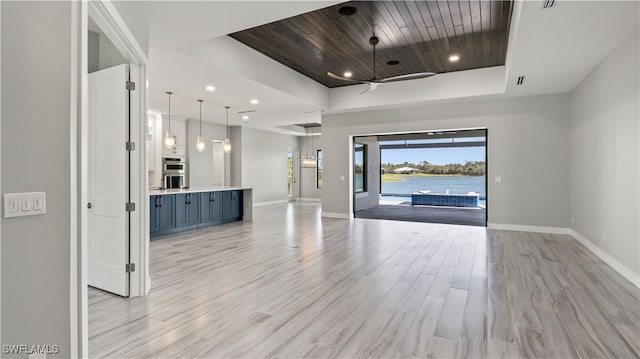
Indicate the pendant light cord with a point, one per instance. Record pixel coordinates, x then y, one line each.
169 93
200 116
227 107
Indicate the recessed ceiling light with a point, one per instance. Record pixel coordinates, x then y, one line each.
254 102
347 74
245 117
454 58
347 10
393 62
210 88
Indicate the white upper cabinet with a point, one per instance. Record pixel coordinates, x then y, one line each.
179 129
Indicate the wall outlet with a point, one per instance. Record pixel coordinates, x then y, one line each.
498 179
341 178
604 237
573 220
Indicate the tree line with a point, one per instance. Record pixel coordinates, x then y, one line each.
469 168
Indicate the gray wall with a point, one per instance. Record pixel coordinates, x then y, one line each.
136 22
201 163
307 177
371 197
35 157
605 149
234 168
527 146
264 163
102 53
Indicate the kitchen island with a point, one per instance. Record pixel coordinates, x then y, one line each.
178 210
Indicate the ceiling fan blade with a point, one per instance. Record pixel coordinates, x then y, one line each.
372 87
334 76
418 75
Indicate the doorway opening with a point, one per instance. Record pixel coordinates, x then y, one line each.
434 177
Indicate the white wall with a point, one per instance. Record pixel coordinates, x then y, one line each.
201 163
605 149
527 147
264 163
307 178
36 137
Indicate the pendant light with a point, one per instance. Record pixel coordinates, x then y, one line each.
308 161
200 141
227 141
169 139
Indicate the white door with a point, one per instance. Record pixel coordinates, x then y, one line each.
108 176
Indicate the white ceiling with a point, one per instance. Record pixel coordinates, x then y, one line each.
554 48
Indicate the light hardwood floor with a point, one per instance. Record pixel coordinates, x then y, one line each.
290 284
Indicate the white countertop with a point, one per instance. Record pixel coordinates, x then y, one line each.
153 192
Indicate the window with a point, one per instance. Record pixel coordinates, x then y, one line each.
359 167
319 169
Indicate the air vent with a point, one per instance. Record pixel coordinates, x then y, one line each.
520 80
548 3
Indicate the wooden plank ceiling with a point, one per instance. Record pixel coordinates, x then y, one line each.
421 35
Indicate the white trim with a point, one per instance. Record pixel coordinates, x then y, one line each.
337 215
309 199
1 168
608 259
270 203
525 228
78 297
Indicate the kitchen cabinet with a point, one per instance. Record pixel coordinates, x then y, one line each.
179 212
187 209
179 130
231 205
162 216
210 207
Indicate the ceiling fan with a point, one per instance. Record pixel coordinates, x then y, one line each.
374 81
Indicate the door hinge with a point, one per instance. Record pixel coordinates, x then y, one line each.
130 207
131 86
130 146
130 267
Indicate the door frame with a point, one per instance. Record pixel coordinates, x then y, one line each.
109 20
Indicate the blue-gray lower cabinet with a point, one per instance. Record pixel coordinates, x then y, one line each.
210 208
173 213
187 209
162 216
231 205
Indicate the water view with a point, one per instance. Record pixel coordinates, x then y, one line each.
401 187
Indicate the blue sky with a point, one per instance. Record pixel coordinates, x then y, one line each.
438 156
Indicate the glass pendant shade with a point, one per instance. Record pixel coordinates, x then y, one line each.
200 146
227 142
169 139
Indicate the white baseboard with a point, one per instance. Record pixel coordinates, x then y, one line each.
308 199
612 262
269 203
524 228
337 215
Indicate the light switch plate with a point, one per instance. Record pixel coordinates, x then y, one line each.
24 204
